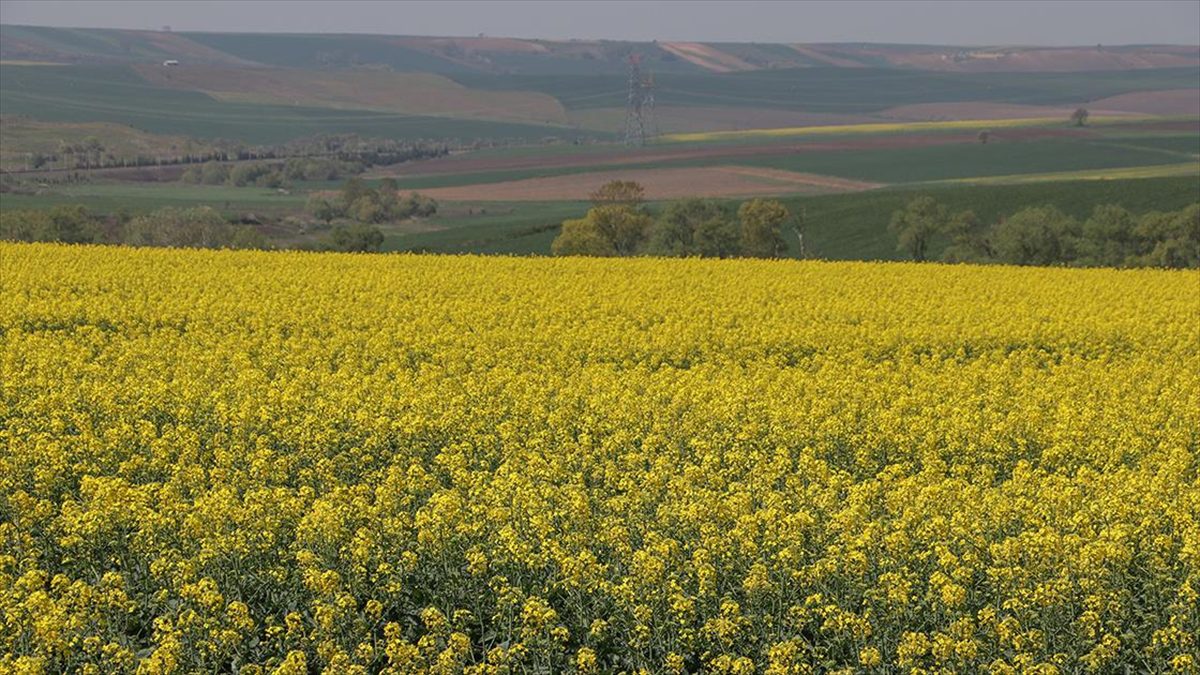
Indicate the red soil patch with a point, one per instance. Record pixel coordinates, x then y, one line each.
709 181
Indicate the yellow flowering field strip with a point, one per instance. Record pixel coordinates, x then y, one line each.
289 462
1161 171
883 128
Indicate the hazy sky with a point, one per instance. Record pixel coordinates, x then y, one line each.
963 22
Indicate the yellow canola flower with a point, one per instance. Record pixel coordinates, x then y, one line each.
286 462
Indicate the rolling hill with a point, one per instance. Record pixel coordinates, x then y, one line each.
485 54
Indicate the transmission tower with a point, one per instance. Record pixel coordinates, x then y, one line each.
639 110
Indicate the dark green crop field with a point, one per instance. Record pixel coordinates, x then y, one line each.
842 90
117 94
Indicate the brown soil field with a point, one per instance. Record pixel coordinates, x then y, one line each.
407 93
709 181
709 58
1165 102
472 164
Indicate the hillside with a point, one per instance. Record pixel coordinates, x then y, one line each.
270 88
449 55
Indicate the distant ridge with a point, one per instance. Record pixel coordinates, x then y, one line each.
483 54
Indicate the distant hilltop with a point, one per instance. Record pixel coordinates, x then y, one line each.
483 54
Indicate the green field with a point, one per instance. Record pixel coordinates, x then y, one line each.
1144 163
117 94
941 162
842 90
854 226
849 226
892 165
143 197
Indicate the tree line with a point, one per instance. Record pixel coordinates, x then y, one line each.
351 218
620 224
359 202
196 227
90 153
1111 236
271 174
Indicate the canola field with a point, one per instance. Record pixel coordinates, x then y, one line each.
300 463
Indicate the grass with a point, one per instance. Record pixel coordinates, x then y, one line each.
966 160
19 137
854 226
839 227
842 226
883 165
378 90
143 197
842 90
116 94
483 227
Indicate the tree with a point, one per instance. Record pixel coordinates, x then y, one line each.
581 237
92 149
762 223
322 208
24 225
605 230
353 189
985 136
1107 237
1080 117
1171 239
917 223
624 227
1038 235
969 241
200 227
214 173
359 237
694 227
619 192
800 226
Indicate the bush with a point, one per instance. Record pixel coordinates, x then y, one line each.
357 238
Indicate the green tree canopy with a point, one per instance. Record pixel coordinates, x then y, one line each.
1038 235
762 222
694 227
581 236
917 224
